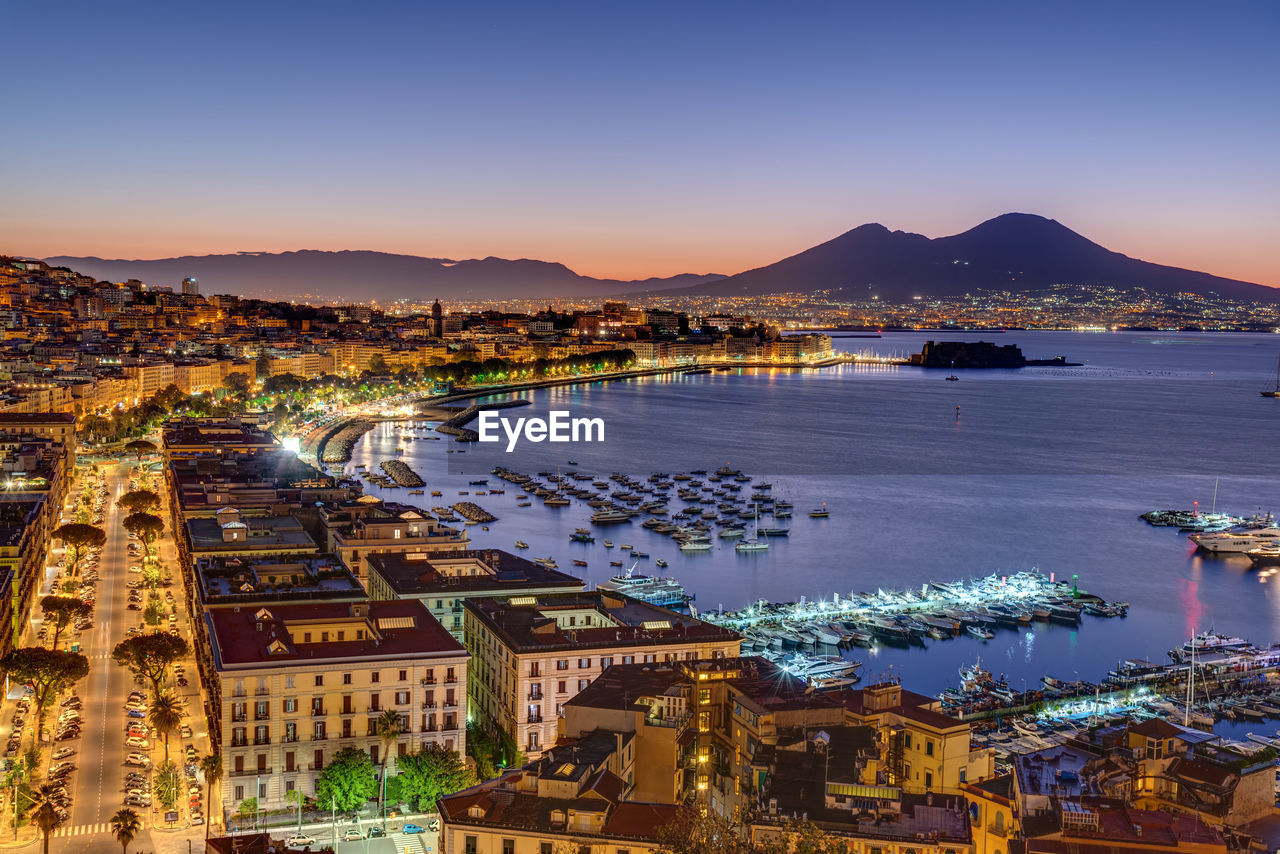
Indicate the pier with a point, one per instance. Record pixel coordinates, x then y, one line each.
455 426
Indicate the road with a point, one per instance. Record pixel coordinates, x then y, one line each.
97 786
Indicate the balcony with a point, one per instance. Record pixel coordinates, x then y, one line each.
320 737
375 710
430 705
262 691
265 717
258 742
239 719
1001 830
318 713
535 697
239 692
289 739
536 720
239 742
449 705
251 772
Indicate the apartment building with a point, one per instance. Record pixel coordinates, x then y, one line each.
444 580
356 529
296 683
532 654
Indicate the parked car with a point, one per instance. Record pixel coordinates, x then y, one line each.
352 834
413 828
139 759
137 741
376 832
63 753
434 825
135 801
61 768
299 841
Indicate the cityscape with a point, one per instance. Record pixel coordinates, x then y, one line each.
385 471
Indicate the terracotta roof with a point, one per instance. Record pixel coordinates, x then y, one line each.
639 820
1156 728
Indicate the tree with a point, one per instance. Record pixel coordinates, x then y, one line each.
237 384
79 538
61 611
125 824
153 613
377 364
281 383
48 671
45 815
148 656
211 765
388 726
430 774
168 786
138 447
262 366
139 501
146 526
165 716
347 782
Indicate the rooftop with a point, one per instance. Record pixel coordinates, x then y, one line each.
588 620
243 580
489 571
269 532
276 635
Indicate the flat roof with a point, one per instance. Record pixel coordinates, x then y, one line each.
412 575
245 580
263 532
623 622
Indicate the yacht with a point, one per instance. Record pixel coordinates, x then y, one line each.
521 544
731 533
1208 641
1236 542
695 546
980 632
664 592
608 544
608 517
752 545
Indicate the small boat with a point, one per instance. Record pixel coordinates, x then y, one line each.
752 546
639 555
820 513
980 632
415 492
608 544
579 563
525 504
615 563
662 564
573 462
694 546
521 544
1274 392
437 493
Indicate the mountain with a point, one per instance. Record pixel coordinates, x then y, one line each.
370 275
1013 252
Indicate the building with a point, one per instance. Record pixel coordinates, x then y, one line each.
58 426
296 683
532 654
356 529
237 582
193 437
191 286
444 580
573 799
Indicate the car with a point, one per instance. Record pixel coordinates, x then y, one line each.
138 759
135 801
137 713
63 753
376 832
67 736
134 584
434 825
60 774
135 778
191 753
71 701
134 606
137 741
352 834
61 768
135 568
299 841
197 818
185 731
413 828
138 792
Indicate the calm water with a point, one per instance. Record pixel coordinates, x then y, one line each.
1041 467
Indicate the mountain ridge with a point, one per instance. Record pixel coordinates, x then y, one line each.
1013 251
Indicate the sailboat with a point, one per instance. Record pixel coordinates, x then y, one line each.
755 544
953 378
1275 392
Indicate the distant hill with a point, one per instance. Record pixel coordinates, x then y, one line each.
1013 252
360 275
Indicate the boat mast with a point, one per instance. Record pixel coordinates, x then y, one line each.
1191 685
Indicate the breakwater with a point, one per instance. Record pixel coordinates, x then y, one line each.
455 426
473 512
335 446
401 473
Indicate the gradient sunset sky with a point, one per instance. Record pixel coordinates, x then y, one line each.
637 139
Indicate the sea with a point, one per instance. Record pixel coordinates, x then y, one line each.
1044 468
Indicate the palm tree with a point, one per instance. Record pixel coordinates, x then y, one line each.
165 716
45 815
388 726
211 765
125 824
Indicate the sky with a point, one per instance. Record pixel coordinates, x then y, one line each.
637 139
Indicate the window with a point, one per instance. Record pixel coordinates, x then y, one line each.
319 680
583 683
306 637
449 675
928 748
962 775
317 731
469 845
606 661
906 740
239 793
376 676
704 697
342 635
562 664
289 784
318 760
404 674
508 846
402 697
346 679
561 686
650 658
544 848
261 710
928 779
288 682
291 705
290 732
324 637
628 659
584 662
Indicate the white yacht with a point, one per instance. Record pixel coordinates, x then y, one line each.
1236 542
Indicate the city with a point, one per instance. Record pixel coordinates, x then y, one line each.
697 428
